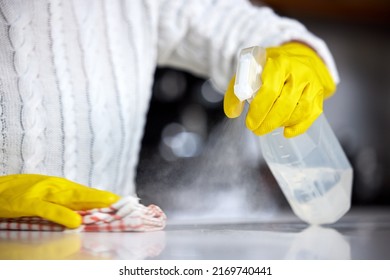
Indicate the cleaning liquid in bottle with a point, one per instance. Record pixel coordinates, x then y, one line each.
312 168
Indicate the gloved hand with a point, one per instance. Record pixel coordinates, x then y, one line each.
51 198
295 83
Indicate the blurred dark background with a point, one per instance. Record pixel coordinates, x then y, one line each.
195 161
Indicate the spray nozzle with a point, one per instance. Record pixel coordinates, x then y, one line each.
248 75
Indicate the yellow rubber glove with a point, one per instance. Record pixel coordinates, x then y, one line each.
51 198
295 83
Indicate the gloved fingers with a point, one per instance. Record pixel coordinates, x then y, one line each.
232 106
324 78
56 213
76 196
295 130
303 125
273 81
309 104
283 107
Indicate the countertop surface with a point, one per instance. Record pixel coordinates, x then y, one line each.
362 233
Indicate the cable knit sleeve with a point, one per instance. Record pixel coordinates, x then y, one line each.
204 36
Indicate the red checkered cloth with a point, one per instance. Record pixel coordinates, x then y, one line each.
125 215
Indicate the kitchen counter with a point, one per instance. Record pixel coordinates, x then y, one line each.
363 233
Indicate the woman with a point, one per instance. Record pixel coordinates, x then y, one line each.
76 79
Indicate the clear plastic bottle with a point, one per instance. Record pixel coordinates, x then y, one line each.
311 169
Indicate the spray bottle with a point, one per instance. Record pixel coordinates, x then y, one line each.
311 169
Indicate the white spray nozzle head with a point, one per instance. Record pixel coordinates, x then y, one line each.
248 75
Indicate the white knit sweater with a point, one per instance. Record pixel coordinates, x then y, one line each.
76 76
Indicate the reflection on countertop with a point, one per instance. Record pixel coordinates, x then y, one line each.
361 234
